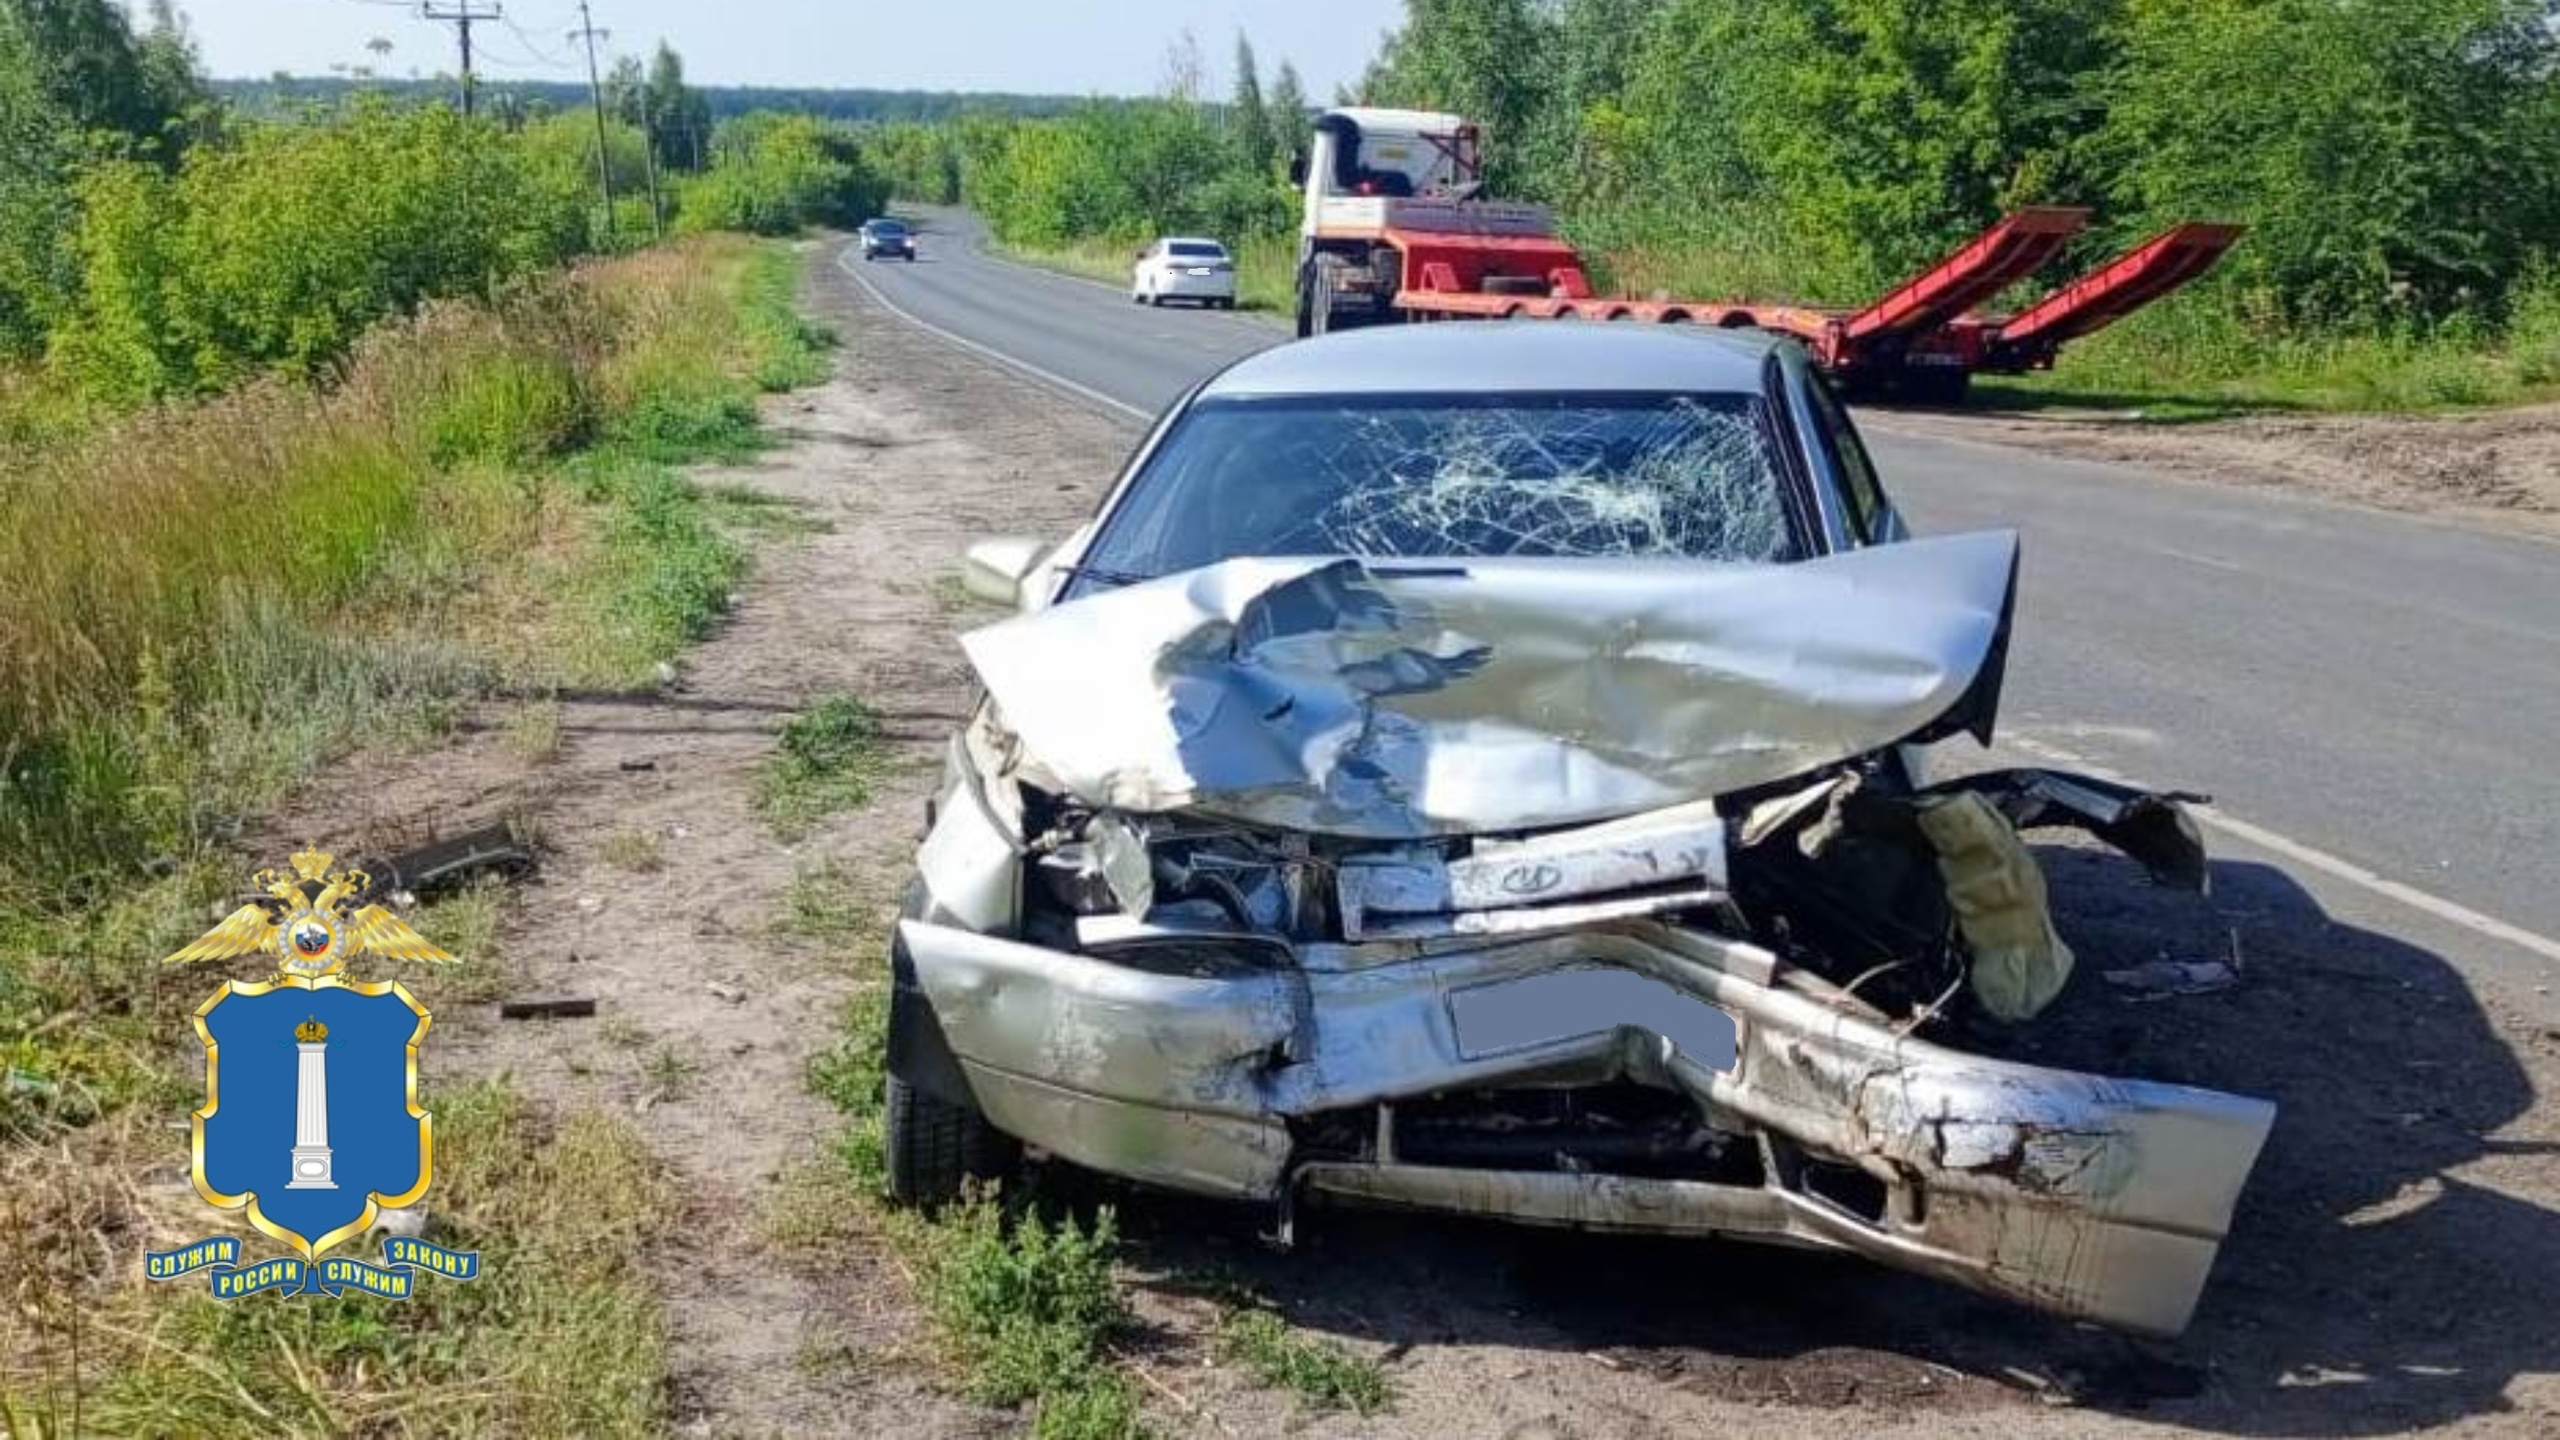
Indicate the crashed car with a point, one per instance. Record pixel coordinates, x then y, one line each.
1481 769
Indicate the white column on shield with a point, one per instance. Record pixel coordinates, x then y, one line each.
311 1114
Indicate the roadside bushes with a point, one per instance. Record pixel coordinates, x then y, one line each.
198 601
282 244
1126 170
772 174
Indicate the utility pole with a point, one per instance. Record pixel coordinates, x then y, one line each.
649 157
588 32
460 15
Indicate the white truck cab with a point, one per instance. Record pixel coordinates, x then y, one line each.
1368 175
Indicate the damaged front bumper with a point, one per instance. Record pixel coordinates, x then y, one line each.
1204 1063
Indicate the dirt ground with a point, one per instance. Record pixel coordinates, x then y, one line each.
2394 1266
2500 469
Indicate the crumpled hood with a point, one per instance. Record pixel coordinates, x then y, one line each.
1395 699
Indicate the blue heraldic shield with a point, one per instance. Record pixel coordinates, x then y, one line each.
311 1117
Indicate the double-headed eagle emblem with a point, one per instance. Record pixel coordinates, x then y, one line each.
309 921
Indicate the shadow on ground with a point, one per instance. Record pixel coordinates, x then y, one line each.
2366 1288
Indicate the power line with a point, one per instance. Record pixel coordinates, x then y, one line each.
533 48
461 16
588 32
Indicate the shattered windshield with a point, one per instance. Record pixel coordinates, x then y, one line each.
1692 476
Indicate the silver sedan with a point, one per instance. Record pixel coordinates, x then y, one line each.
1480 768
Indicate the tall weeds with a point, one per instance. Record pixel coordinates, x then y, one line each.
198 599
198 605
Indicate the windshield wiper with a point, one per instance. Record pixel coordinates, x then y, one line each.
1105 575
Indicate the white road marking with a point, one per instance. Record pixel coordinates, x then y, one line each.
988 352
2336 867
2313 858
2207 561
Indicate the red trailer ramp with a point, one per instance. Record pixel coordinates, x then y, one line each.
2028 339
1990 263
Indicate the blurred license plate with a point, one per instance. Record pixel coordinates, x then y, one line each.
1201 270
1570 1004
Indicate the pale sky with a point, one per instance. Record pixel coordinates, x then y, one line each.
1036 46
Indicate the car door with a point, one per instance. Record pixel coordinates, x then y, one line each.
1872 515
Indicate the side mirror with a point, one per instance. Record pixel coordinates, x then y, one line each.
993 570
1297 167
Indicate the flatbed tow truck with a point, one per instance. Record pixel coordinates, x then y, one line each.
1394 228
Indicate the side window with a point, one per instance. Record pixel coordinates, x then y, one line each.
1857 472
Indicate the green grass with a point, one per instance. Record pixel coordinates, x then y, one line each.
849 1075
2197 356
1030 1307
790 349
826 761
825 903
1027 1305
484 501
670 1072
1319 1372
639 851
559 1335
744 508
465 924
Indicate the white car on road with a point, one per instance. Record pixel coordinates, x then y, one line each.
1185 268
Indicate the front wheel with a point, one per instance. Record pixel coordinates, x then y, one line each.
937 1148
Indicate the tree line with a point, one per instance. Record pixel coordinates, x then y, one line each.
284 94
1124 169
2394 159
2397 162
156 241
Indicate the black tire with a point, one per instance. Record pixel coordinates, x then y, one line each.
1934 385
1322 317
937 1148
1514 285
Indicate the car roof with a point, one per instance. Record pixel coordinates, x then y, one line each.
1191 240
1416 122
1527 356
884 222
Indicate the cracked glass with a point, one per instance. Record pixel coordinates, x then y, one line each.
1667 476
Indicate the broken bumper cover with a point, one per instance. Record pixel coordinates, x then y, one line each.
1183 1065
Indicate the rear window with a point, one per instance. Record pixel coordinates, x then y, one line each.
1195 250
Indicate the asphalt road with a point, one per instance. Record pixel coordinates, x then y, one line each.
2372 696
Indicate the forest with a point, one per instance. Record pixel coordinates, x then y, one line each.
158 241
2396 162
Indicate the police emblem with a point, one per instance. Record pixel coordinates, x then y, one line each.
311 1122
